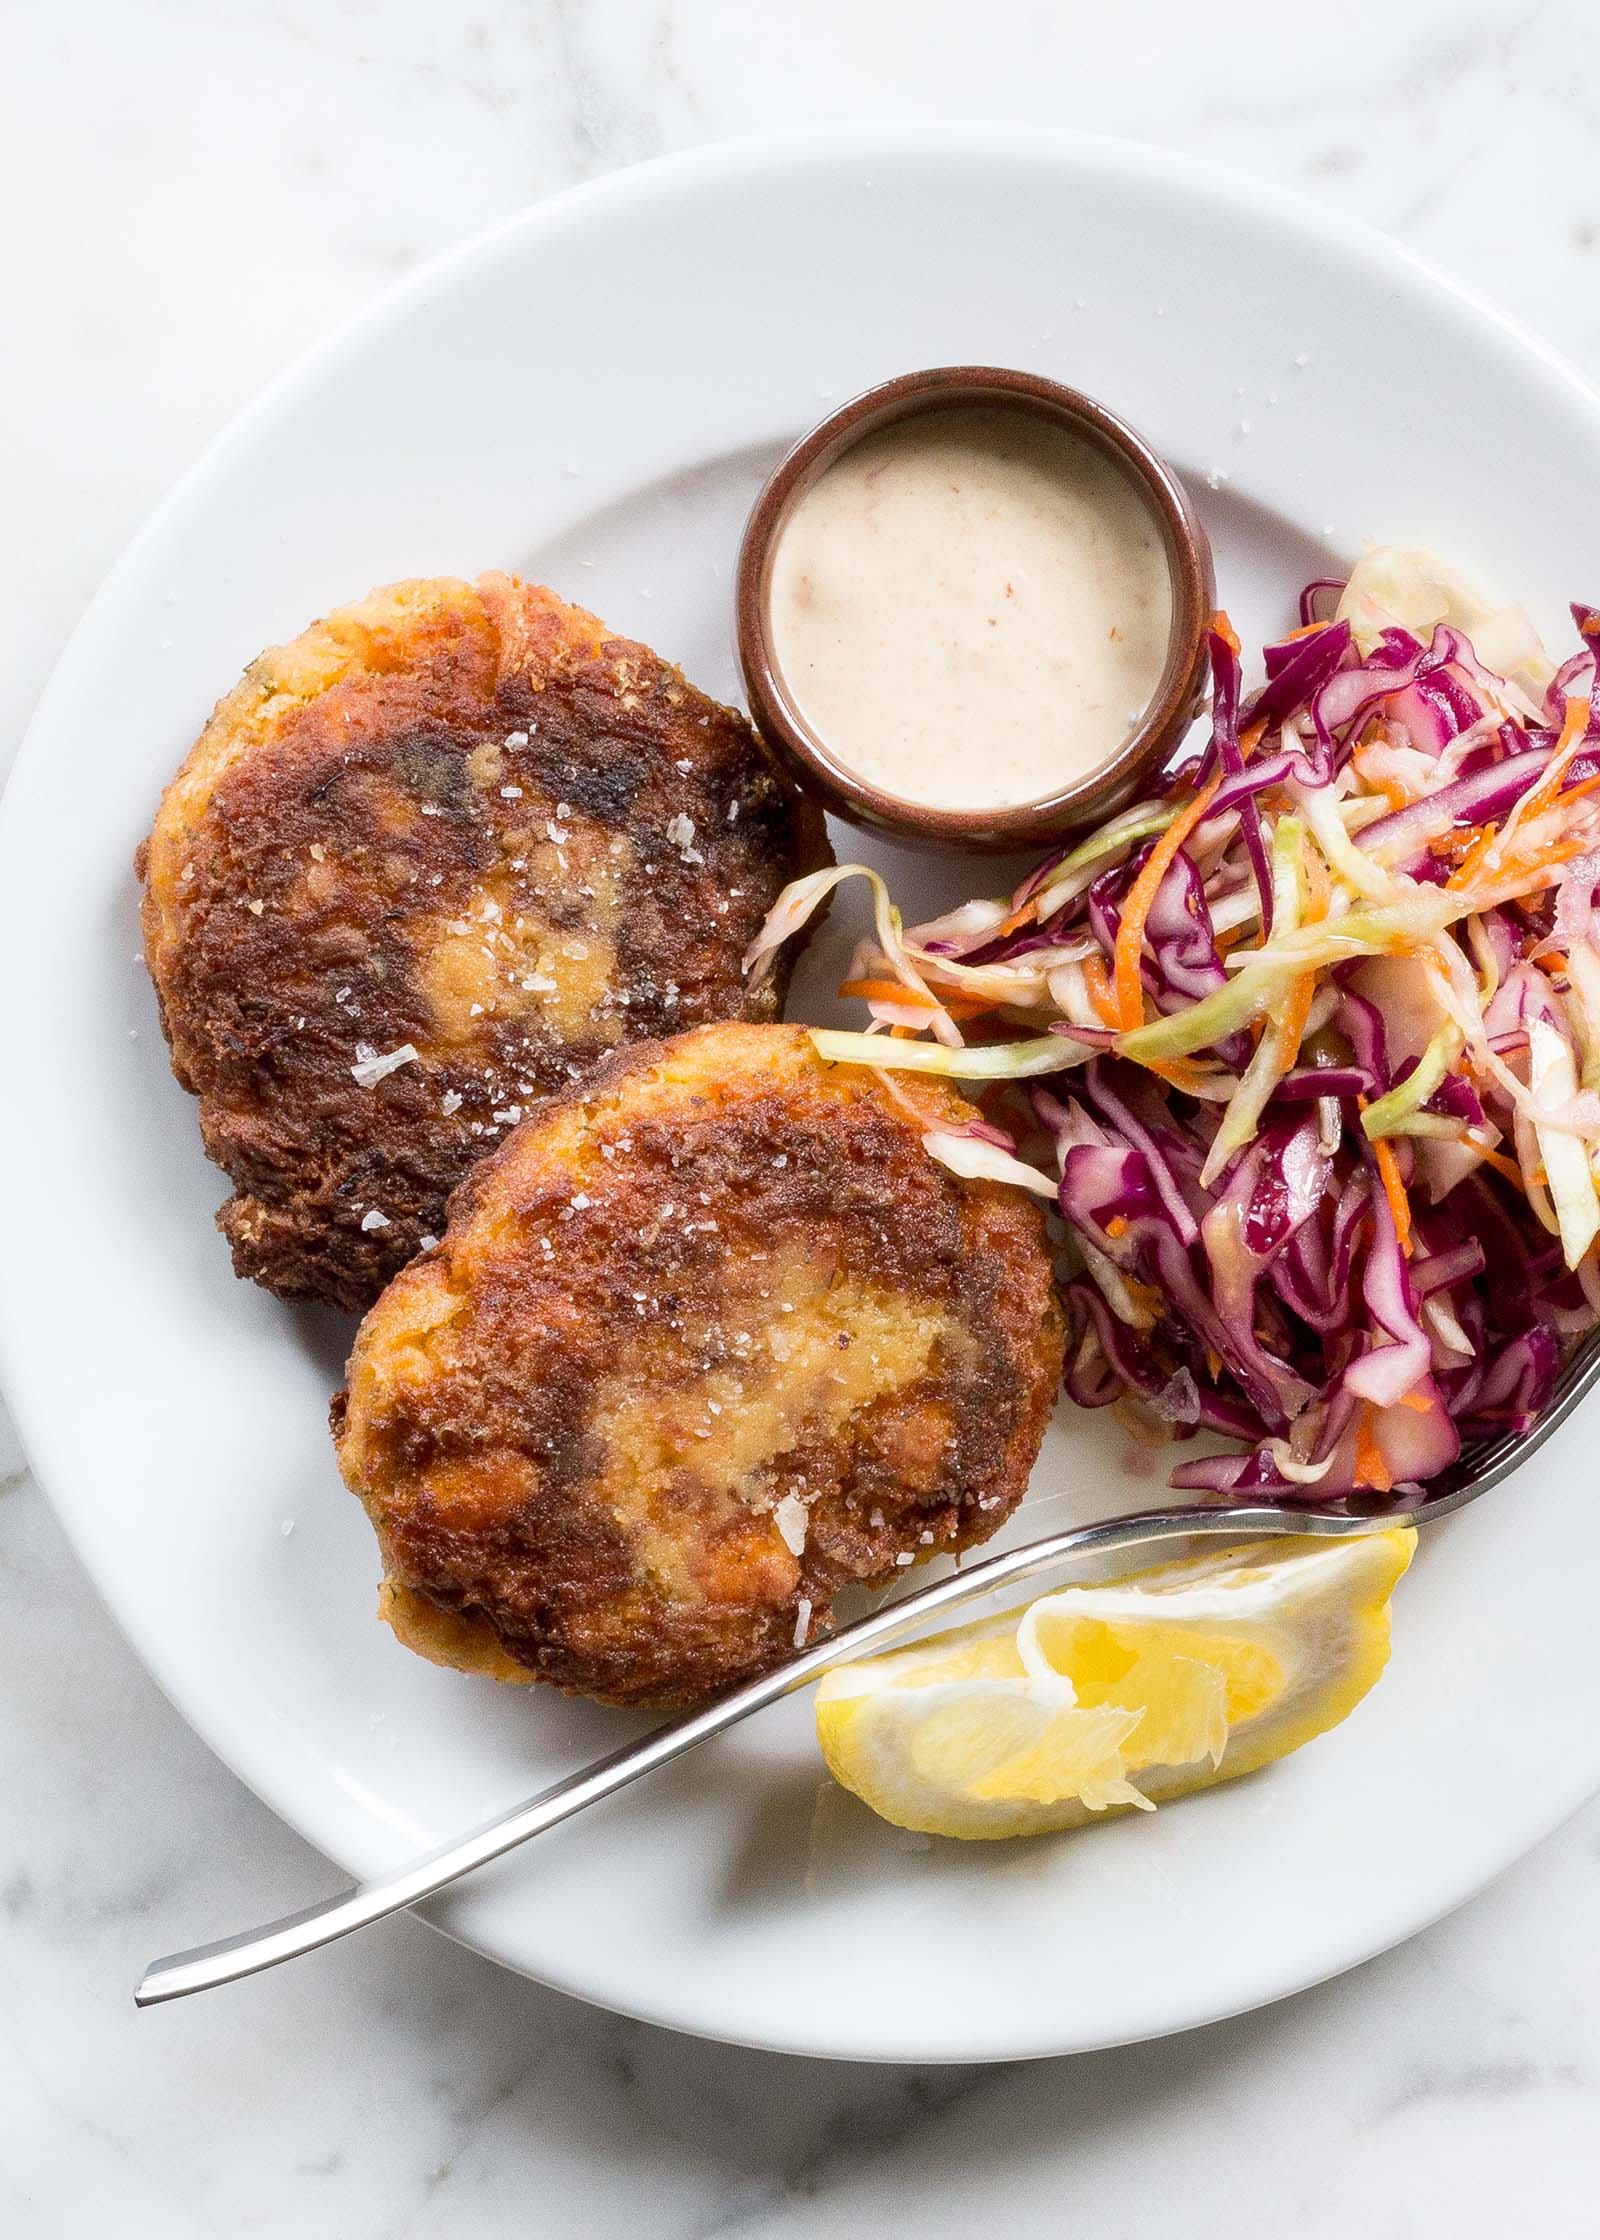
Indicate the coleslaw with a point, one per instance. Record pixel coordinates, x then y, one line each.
1305 1046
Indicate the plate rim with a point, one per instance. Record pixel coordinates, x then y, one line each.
1293 214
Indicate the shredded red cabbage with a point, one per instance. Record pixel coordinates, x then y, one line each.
1329 1184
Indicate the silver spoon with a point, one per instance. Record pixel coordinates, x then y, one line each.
211 1964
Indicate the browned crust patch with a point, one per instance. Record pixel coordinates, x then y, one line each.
464 820
708 1339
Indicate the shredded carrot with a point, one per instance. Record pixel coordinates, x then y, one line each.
1496 1159
1417 1402
1136 909
1371 1469
1555 964
1578 792
1572 730
1117 1226
1393 1188
889 991
1466 869
1225 630
1097 981
894 991
1395 1191
902 1034
1533 804
1529 874
1391 789
1020 917
1178 1073
1292 1018
1306 630
1321 889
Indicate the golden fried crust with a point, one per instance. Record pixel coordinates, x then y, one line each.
464 820
708 1338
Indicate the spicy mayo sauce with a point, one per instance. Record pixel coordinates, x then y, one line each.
971 609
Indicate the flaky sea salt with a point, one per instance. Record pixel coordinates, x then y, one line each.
369 1069
792 1521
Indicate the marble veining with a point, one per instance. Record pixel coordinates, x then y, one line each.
199 190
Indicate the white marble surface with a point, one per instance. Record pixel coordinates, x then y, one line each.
196 190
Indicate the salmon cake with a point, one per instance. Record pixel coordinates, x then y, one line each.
709 1338
425 866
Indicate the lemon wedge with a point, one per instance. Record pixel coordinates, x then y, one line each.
1105 1698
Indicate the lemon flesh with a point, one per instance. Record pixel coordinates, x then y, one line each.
1109 1698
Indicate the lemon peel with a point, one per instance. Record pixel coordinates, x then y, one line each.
1117 1697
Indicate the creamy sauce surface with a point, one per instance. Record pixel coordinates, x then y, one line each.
971 609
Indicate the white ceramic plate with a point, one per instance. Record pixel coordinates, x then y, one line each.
592 394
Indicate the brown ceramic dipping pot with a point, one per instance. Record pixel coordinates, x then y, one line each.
1098 793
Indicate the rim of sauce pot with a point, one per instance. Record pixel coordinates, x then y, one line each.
1098 793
